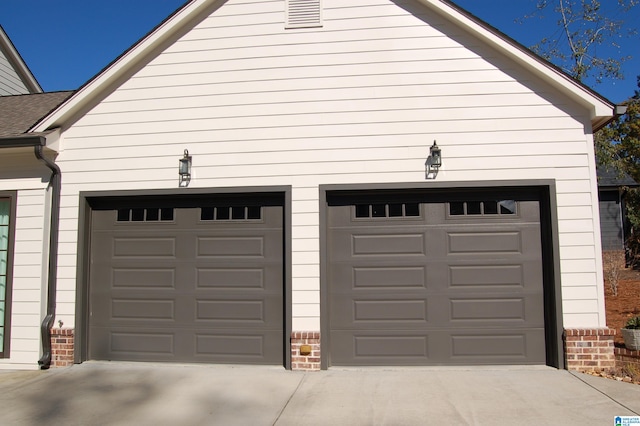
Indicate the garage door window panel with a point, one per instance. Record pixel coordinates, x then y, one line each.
145 215
483 208
387 210
225 213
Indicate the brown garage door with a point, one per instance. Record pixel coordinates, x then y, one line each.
429 280
188 281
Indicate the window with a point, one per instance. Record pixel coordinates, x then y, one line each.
6 252
482 208
145 215
231 213
387 210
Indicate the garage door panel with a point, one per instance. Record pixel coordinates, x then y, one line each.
141 343
368 348
498 346
231 311
371 274
237 276
487 276
142 309
188 289
437 347
217 247
230 346
487 309
185 310
388 244
473 243
497 277
134 345
389 277
389 310
459 275
376 313
234 346
230 278
147 247
172 345
147 278
513 311
447 281
485 240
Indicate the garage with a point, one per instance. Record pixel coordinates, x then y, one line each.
435 277
186 279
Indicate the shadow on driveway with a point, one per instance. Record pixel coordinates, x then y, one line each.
103 393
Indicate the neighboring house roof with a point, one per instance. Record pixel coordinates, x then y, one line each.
599 109
20 112
610 178
9 52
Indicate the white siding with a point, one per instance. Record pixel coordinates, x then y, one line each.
30 257
10 82
359 100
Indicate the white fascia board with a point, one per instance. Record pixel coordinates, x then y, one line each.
599 108
103 83
53 140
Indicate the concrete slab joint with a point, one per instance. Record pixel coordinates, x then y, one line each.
589 349
310 361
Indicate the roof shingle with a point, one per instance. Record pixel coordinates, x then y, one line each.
20 112
609 177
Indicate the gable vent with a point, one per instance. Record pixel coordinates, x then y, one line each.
303 13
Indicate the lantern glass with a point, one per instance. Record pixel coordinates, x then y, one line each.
184 169
436 155
184 166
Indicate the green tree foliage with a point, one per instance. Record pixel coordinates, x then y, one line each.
584 46
618 144
618 147
585 28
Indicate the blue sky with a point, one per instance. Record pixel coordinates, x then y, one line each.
66 42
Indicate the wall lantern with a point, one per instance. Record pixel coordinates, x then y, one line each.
184 169
434 161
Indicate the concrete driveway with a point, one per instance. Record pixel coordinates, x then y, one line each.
103 393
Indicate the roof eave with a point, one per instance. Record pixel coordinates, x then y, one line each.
23 141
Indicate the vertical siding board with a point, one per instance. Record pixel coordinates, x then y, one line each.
356 101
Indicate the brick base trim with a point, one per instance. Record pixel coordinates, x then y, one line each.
62 346
628 359
585 350
310 362
589 349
